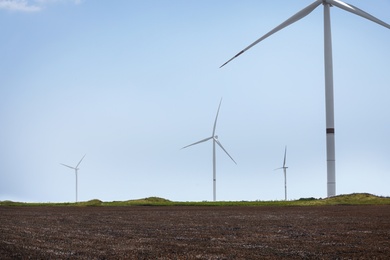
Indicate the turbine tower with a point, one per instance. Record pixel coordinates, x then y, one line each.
329 105
76 171
215 141
284 171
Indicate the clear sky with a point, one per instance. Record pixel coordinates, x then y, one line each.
128 83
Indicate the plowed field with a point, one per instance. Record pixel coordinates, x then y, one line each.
320 232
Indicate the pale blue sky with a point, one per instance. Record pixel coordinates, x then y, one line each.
131 82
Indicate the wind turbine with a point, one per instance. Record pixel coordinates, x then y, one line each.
329 105
76 170
215 141
284 171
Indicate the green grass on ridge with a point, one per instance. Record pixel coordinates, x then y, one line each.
348 199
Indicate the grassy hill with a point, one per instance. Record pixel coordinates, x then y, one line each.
348 199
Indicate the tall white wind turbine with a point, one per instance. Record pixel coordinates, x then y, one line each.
329 106
284 167
76 171
215 141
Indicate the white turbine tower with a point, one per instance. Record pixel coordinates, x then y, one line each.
284 171
329 106
76 171
215 141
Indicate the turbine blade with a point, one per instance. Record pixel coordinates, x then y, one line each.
80 161
220 145
353 9
278 168
307 10
201 141
284 161
68 166
216 117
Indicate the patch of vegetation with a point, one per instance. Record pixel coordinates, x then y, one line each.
349 199
357 199
7 203
306 199
150 201
32 204
91 203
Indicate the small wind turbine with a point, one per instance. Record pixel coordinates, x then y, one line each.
284 171
215 141
329 105
76 170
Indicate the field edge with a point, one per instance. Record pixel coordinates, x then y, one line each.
344 199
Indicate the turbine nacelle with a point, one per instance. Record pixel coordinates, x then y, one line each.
327 2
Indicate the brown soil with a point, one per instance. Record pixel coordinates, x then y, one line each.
322 232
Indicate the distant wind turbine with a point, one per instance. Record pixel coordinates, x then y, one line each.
76 171
329 105
215 141
284 171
